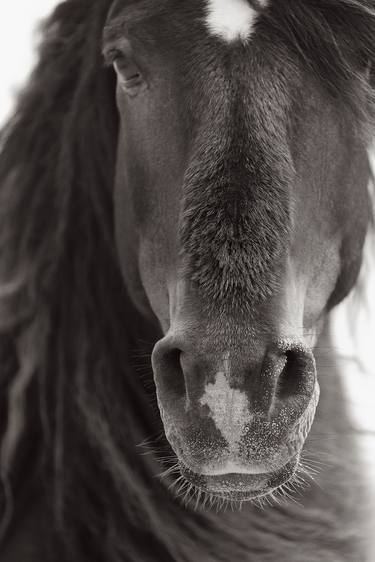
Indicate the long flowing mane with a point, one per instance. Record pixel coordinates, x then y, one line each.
73 406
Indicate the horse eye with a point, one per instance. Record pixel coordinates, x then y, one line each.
129 75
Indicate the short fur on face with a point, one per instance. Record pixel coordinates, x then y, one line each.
236 212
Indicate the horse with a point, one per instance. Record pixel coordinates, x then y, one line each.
184 200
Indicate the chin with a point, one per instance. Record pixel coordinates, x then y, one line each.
237 487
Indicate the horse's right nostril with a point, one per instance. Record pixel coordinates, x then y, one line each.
167 367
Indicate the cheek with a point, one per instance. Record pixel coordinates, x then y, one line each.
148 193
146 224
146 246
322 274
156 273
127 245
330 202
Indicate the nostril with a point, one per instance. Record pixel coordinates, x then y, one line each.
168 371
296 377
289 379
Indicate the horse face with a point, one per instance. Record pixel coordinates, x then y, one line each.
241 209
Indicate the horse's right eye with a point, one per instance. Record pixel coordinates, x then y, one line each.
127 71
129 75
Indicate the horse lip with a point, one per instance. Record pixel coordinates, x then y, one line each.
241 486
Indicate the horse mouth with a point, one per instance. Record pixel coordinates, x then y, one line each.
241 487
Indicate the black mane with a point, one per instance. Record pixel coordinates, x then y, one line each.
73 406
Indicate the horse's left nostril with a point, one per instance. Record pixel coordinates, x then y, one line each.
296 382
289 379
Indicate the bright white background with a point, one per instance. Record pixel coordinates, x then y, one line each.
18 20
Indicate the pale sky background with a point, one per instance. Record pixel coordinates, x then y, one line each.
18 20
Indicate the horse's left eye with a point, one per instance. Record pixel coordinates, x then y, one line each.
129 75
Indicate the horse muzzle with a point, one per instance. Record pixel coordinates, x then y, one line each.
237 426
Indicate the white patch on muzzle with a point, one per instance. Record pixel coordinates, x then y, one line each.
229 407
231 19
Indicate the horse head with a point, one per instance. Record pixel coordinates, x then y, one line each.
241 208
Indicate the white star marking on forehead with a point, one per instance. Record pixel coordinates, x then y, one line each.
232 19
